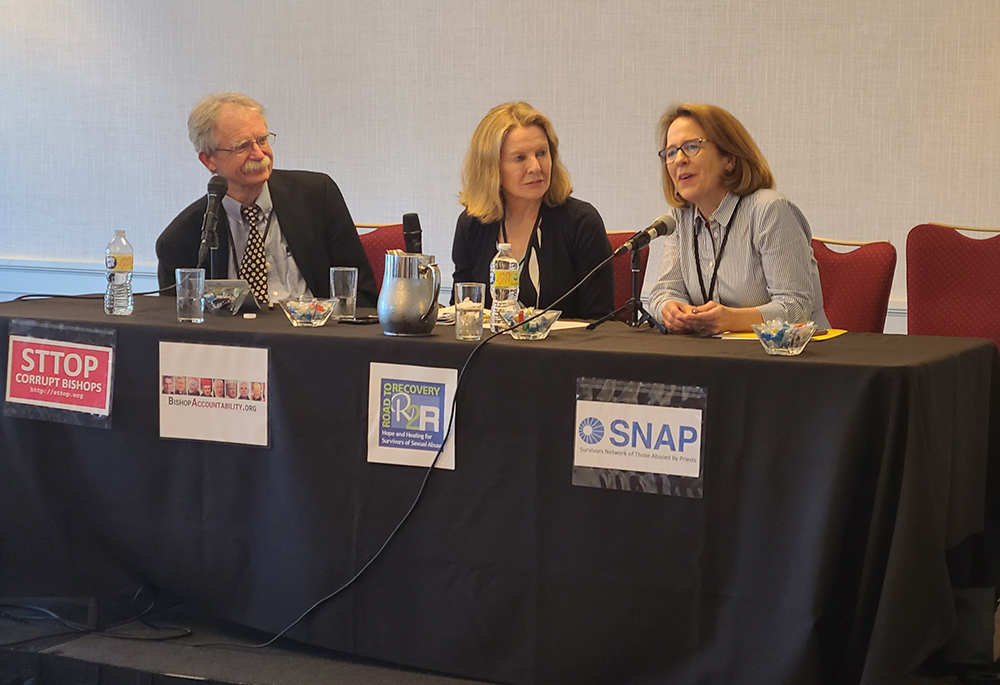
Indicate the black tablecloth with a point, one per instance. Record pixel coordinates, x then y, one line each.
834 484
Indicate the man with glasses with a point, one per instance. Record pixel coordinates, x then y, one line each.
279 230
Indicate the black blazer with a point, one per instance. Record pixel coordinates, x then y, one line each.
315 223
573 242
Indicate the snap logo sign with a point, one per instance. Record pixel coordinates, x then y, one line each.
639 438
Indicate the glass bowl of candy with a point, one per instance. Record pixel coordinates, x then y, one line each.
782 338
225 296
535 329
307 311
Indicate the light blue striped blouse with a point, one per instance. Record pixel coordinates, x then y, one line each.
767 262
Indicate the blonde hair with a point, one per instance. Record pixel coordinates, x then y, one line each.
481 193
202 120
750 171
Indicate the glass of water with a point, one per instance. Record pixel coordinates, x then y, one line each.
344 291
190 294
469 310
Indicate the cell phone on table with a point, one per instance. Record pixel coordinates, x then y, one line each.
361 320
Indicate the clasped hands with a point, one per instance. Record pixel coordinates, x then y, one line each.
680 317
710 318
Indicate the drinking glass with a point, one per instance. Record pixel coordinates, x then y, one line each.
469 299
190 294
344 291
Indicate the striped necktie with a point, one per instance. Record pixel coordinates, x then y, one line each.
253 268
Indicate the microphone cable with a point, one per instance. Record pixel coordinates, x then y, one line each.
44 614
423 483
84 296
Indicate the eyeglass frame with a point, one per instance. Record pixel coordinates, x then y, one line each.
680 148
247 145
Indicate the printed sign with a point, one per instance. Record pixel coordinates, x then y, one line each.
217 393
409 408
59 375
638 436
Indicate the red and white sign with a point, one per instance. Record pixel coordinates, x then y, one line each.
60 375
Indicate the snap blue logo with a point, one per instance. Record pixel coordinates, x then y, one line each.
591 430
634 434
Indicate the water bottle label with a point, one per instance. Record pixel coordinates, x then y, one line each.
505 279
118 263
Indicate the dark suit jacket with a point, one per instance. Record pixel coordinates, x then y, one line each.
315 223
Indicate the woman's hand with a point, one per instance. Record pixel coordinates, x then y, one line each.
675 315
713 318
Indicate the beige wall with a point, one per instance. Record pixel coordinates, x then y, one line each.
875 116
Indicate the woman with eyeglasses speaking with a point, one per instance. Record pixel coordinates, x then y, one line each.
741 253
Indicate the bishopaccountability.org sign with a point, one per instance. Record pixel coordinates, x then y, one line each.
639 436
408 412
214 393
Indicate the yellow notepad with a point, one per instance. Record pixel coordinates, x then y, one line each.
819 335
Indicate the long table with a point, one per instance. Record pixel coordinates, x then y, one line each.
838 488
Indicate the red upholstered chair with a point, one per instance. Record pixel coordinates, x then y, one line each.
952 282
856 284
385 237
623 269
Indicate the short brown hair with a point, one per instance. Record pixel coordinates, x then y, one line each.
750 171
481 193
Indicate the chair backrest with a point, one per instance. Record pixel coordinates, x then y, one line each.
623 268
385 237
952 283
856 284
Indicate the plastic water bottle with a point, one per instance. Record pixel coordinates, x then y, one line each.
118 265
505 278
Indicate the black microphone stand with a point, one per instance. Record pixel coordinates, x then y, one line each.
639 315
209 243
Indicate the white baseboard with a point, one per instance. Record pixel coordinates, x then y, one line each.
895 320
29 277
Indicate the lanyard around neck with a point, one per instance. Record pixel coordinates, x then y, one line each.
534 229
718 255
534 244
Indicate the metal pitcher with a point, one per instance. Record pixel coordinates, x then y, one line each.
408 302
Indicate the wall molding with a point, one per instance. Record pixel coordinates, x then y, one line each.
29 277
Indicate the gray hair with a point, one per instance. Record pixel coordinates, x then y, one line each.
202 120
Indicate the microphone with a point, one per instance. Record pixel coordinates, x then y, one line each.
664 225
411 234
217 187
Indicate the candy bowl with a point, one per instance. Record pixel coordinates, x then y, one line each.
782 338
536 329
225 296
307 311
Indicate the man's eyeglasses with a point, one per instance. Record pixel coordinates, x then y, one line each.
689 147
247 145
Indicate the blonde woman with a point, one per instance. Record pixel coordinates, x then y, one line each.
515 190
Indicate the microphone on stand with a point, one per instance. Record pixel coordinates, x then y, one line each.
664 225
217 187
412 238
